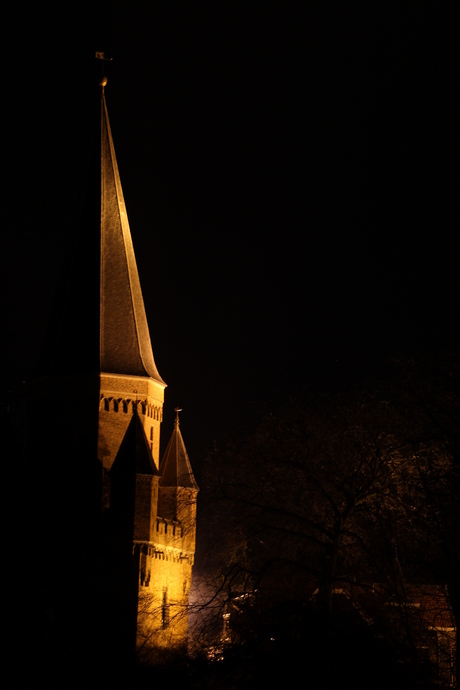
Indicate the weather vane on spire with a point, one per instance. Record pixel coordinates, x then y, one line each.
177 410
101 56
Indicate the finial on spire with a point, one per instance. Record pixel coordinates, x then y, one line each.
101 56
177 410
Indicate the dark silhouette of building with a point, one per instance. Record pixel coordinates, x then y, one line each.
112 530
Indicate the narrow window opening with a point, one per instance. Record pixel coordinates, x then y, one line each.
165 609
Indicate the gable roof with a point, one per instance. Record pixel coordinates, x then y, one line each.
134 456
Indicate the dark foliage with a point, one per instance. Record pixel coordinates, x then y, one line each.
331 497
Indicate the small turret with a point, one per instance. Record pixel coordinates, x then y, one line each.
178 488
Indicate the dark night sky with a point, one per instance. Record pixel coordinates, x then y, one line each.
291 184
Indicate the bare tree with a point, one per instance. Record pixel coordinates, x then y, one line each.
333 495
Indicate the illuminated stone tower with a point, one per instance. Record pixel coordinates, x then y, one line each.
113 532
156 504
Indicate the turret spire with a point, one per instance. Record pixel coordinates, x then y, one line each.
175 469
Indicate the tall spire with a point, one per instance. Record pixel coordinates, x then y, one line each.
125 346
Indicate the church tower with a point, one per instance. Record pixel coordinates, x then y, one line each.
120 527
130 414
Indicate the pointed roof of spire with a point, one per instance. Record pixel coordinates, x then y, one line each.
125 346
175 468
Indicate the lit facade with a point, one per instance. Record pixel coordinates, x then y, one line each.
163 529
